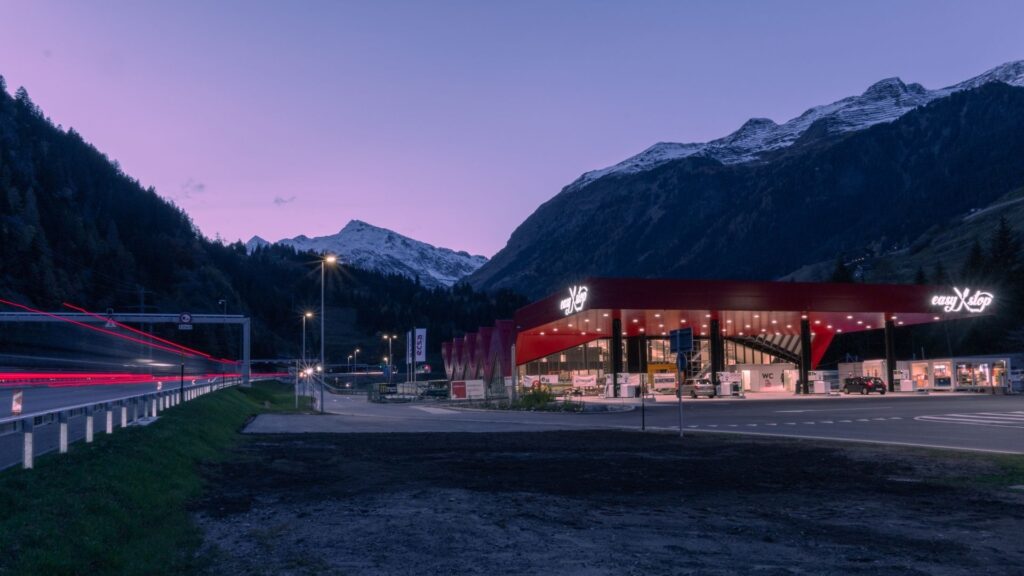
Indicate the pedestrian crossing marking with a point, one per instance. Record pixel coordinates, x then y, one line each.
993 419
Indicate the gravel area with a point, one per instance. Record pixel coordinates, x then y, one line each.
603 502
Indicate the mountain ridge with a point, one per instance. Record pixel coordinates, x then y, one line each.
698 217
374 248
883 101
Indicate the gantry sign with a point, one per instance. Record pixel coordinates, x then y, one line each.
88 318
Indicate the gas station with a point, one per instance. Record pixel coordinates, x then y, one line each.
611 336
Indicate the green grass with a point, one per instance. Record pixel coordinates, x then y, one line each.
119 505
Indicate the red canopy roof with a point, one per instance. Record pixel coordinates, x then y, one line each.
655 307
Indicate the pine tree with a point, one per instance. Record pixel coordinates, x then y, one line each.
939 275
841 272
920 278
1004 253
975 265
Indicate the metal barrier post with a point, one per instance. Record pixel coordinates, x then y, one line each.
88 424
109 418
124 414
62 442
27 431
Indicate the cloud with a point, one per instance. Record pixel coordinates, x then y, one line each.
279 201
190 189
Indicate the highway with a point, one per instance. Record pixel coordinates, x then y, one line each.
45 399
962 422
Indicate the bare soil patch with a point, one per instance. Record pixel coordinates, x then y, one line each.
602 503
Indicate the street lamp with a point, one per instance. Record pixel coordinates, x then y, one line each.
329 259
349 363
355 364
304 316
390 338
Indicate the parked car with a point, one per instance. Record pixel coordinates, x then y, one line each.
864 385
699 387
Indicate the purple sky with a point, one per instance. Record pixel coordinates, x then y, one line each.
449 121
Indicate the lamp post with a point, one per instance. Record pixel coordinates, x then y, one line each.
355 365
224 310
304 316
329 259
390 338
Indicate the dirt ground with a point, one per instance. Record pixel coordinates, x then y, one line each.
603 503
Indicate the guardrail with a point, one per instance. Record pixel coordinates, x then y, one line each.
134 409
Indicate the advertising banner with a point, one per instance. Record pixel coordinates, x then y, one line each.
458 390
584 380
421 345
475 390
664 380
408 347
549 379
531 381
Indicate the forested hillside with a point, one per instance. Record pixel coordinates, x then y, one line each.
75 228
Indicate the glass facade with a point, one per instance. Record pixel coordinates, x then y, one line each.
586 366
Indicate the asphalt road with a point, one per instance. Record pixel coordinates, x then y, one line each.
964 422
46 435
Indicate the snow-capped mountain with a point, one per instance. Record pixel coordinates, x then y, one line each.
366 246
884 101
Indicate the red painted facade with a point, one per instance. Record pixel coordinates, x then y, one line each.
655 307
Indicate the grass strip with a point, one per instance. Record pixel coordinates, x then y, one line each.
119 505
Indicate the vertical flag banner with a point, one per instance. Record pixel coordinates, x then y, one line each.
421 344
408 347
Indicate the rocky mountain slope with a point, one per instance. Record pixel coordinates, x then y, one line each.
883 101
829 191
372 248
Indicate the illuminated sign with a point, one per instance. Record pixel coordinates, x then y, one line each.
574 303
964 300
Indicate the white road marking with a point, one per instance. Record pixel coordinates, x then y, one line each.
832 410
993 419
433 410
846 421
827 422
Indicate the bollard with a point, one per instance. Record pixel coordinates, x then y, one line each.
155 411
107 409
27 431
88 424
62 418
124 414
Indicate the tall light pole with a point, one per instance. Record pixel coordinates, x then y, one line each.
329 259
355 364
390 338
304 316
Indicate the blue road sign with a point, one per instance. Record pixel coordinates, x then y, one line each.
681 340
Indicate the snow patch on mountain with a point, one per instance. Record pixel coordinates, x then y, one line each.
372 248
883 101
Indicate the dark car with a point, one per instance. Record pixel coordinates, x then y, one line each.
699 387
864 385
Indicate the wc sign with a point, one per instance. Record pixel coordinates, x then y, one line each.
963 301
575 302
